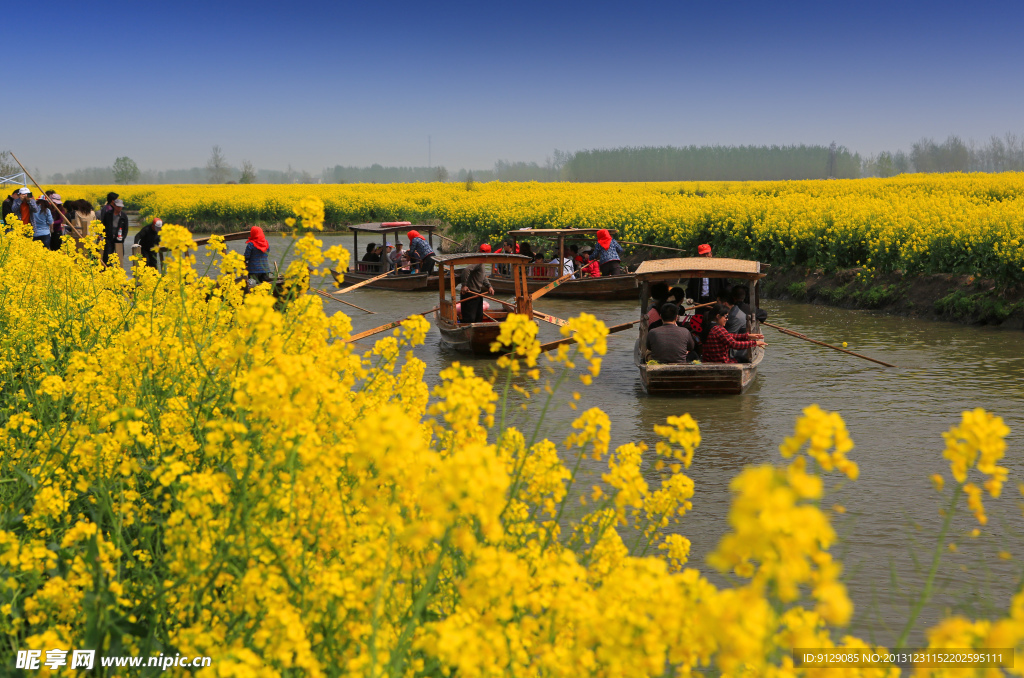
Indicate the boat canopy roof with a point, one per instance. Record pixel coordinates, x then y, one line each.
700 267
555 232
472 258
391 227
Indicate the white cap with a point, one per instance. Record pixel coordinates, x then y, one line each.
24 191
119 203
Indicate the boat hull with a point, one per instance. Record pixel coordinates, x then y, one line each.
697 380
605 288
475 338
415 282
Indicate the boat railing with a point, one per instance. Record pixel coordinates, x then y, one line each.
539 272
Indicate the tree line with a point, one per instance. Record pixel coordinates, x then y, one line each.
639 163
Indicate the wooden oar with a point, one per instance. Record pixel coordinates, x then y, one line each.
228 237
365 282
660 247
42 193
572 340
550 286
793 333
549 318
327 295
384 328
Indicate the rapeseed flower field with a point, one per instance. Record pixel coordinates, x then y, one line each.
927 223
185 468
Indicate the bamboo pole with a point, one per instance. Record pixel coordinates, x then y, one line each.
793 333
365 282
383 328
327 295
572 340
660 247
42 193
550 286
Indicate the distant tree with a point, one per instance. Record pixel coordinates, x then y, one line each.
125 170
7 164
469 182
442 173
217 167
248 173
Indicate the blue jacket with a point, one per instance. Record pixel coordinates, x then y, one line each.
613 253
33 208
255 260
419 249
42 220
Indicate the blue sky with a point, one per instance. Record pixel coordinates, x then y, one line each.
314 84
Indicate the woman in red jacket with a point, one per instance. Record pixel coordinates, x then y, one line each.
719 341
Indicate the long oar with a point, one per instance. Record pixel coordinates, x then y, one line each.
550 286
660 247
384 328
228 237
572 340
365 282
42 193
822 343
327 295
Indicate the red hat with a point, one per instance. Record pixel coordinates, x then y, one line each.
704 249
413 235
485 248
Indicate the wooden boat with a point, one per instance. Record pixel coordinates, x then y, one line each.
476 338
539 275
361 271
690 379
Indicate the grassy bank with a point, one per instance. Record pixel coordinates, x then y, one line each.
957 298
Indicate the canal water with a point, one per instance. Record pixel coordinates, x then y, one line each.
896 417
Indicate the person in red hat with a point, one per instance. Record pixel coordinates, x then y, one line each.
608 253
485 248
421 253
705 290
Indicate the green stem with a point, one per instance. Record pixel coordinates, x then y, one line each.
926 592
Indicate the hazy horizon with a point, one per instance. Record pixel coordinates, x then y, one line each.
317 85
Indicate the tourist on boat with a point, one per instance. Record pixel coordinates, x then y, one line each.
371 254
395 257
720 341
421 253
704 290
608 253
567 265
524 249
256 261
738 296
659 296
148 238
589 268
474 281
485 248
736 321
115 228
670 343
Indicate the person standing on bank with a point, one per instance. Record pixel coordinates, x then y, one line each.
24 207
474 281
148 238
8 207
115 229
42 225
60 221
257 263
608 253
109 206
421 253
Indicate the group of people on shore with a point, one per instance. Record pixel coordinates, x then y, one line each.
716 333
51 219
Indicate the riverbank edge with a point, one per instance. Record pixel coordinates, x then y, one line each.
962 299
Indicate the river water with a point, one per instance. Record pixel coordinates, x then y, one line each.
895 416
